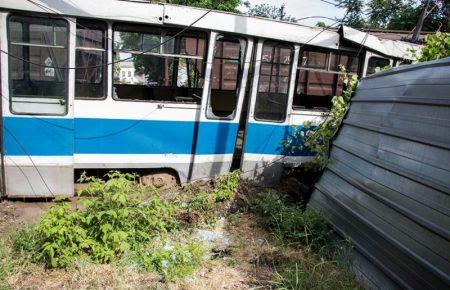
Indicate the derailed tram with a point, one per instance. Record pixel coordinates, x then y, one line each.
172 92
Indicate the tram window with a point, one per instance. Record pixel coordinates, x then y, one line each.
349 62
403 62
38 78
376 63
315 59
317 84
273 86
90 60
160 65
225 76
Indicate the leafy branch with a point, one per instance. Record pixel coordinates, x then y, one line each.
316 139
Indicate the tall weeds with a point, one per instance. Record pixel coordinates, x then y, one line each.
119 217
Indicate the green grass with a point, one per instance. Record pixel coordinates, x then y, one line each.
122 227
289 223
312 273
307 231
7 263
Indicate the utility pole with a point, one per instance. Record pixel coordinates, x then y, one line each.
423 15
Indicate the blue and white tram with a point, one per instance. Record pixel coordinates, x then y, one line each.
154 88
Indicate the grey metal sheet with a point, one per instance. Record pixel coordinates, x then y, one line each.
387 186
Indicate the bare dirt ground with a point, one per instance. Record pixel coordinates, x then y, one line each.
243 257
14 213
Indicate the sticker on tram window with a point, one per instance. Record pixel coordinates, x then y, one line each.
49 71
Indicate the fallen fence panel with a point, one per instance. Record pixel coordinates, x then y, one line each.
387 184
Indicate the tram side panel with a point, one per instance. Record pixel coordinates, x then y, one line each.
37 106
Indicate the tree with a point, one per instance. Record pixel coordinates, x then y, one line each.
261 10
353 12
269 11
224 5
396 14
419 25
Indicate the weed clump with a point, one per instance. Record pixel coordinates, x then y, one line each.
312 274
321 266
171 260
116 219
203 203
226 186
290 223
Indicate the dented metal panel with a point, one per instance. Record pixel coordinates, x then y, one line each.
394 48
132 11
254 26
387 184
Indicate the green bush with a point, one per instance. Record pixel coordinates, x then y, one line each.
226 186
115 220
436 46
61 236
111 222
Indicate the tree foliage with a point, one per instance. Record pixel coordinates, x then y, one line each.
395 14
321 24
260 10
269 11
353 12
224 5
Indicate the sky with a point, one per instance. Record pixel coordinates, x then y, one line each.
306 8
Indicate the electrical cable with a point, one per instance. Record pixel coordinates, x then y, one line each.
113 62
149 50
177 34
31 159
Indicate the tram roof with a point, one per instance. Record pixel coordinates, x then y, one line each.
145 12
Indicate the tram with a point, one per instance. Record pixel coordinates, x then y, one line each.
174 93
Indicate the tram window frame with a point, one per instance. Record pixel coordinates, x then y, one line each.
321 102
147 33
242 43
259 92
94 25
30 19
374 70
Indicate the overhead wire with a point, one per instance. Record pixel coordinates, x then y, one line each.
156 46
30 158
117 61
143 118
48 9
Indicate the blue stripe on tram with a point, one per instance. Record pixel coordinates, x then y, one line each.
265 138
38 136
111 136
64 137
55 136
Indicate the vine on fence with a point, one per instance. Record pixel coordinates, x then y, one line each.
316 139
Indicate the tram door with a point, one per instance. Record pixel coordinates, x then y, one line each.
37 106
227 70
267 121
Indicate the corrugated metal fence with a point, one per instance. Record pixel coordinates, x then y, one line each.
387 184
